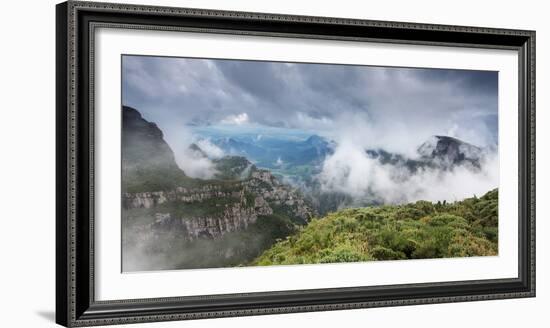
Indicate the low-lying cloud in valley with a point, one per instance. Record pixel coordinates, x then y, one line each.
351 171
195 164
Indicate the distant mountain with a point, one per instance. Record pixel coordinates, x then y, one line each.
321 145
316 141
450 151
272 152
242 147
438 152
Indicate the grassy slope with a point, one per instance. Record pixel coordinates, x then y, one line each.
411 231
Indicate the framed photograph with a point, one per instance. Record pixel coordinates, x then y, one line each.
215 164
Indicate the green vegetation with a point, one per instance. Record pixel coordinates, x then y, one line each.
413 231
232 167
147 179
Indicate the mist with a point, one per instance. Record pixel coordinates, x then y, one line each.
349 170
195 164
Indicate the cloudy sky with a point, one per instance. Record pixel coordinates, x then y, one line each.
395 108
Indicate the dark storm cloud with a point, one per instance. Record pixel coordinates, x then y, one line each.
260 80
472 81
380 102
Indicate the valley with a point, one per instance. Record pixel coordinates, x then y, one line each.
270 191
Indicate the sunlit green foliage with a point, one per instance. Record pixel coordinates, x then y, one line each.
413 231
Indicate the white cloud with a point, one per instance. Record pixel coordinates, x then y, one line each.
349 170
238 119
211 150
451 132
195 165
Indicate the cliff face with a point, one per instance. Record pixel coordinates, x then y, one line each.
143 144
235 206
148 163
233 217
186 195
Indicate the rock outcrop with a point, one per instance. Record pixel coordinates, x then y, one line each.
242 205
183 194
233 218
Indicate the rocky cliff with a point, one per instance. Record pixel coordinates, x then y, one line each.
159 200
214 209
143 143
148 162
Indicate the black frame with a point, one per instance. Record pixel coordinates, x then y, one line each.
76 23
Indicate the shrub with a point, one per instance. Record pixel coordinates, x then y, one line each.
383 253
414 231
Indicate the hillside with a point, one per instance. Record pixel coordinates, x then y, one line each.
411 231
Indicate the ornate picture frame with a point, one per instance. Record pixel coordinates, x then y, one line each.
77 24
